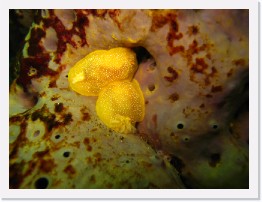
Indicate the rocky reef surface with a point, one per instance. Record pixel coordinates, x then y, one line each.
193 73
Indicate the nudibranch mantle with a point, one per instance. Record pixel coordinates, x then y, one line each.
109 74
101 67
120 105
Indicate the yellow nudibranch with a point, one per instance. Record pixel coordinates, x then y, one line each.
101 67
108 74
120 105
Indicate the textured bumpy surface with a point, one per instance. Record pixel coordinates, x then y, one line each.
99 68
109 74
193 73
120 105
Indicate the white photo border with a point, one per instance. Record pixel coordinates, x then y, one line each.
254 175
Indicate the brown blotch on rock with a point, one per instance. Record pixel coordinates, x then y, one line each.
16 118
89 148
216 89
239 62
67 119
194 48
70 170
209 96
208 56
202 105
213 72
173 97
200 66
175 49
192 30
158 21
174 75
45 116
113 14
85 114
50 119
86 141
47 165
41 154
98 157
230 72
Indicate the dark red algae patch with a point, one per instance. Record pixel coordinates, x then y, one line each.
35 49
40 64
49 119
195 48
200 66
65 36
159 20
38 58
174 34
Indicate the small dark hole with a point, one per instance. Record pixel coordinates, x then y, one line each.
186 139
57 136
215 126
127 161
214 159
66 154
142 54
180 126
151 87
41 183
37 133
66 76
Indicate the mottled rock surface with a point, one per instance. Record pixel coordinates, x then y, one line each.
193 72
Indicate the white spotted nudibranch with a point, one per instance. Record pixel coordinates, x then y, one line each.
108 74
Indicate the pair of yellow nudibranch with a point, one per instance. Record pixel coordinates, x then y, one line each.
109 74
